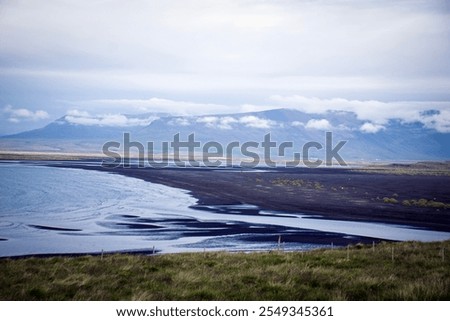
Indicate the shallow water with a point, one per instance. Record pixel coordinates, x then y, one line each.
60 210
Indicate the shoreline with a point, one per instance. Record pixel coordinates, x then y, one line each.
221 191
79 254
331 193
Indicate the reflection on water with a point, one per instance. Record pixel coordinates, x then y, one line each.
58 210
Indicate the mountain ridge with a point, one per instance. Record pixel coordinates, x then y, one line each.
395 140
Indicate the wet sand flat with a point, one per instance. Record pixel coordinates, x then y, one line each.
334 193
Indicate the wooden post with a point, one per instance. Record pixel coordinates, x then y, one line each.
279 242
332 245
101 257
373 246
153 250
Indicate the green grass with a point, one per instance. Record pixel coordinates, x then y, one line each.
422 202
419 168
412 271
297 183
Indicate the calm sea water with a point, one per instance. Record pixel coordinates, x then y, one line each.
60 210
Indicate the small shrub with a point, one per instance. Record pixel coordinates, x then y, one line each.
436 204
390 200
317 185
422 202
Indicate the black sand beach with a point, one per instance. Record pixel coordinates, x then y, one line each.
334 193
416 196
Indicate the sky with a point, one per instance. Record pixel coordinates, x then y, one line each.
379 59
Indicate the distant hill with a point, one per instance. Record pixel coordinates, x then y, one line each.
364 141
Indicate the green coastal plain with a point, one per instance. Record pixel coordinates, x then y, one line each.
384 271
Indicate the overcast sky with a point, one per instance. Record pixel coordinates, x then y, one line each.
379 59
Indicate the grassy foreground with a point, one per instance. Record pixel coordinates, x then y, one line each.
399 271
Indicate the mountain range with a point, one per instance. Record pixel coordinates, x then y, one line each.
364 140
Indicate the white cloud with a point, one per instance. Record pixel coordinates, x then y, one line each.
22 114
78 113
298 124
179 121
373 111
209 121
264 46
256 122
319 124
84 118
226 122
370 128
438 120
233 53
156 105
231 36
217 122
